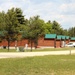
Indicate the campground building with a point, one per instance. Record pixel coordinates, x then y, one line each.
47 41
53 41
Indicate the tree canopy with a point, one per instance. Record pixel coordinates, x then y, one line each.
13 23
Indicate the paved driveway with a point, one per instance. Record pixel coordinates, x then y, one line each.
30 54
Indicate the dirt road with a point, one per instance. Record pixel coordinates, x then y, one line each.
30 54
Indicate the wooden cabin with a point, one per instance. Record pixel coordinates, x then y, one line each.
48 41
72 39
58 41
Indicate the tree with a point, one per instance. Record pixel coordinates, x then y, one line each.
71 32
48 27
20 16
12 26
35 29
56 28
2 21
2 25
65 32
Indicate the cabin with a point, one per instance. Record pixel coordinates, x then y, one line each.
72 39
62 40
49 40
67 39
58 41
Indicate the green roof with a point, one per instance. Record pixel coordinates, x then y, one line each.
67 37
59 37
50 36
72 38
63 37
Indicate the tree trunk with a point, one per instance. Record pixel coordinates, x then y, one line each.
8 45
31 45
36 43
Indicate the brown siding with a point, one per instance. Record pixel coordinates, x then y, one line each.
67 41
72 41
49 42
19 43
30 45
41 41
58 43
12 44
22 42
4 43
46 42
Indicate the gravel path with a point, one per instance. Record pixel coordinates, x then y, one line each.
30 54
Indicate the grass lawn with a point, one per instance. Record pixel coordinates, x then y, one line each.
37 50
55 49
42 65
6 50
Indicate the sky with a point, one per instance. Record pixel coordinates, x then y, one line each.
62 11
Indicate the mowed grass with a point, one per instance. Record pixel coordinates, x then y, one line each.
6 50
55 49
38 50
41 65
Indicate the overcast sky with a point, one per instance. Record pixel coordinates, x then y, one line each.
63 11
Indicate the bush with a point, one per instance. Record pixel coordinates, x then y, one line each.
21 49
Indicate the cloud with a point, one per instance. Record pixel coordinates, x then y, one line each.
39 9
7 5
62 11
68 9
68 12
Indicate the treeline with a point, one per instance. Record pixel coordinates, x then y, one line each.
13 23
